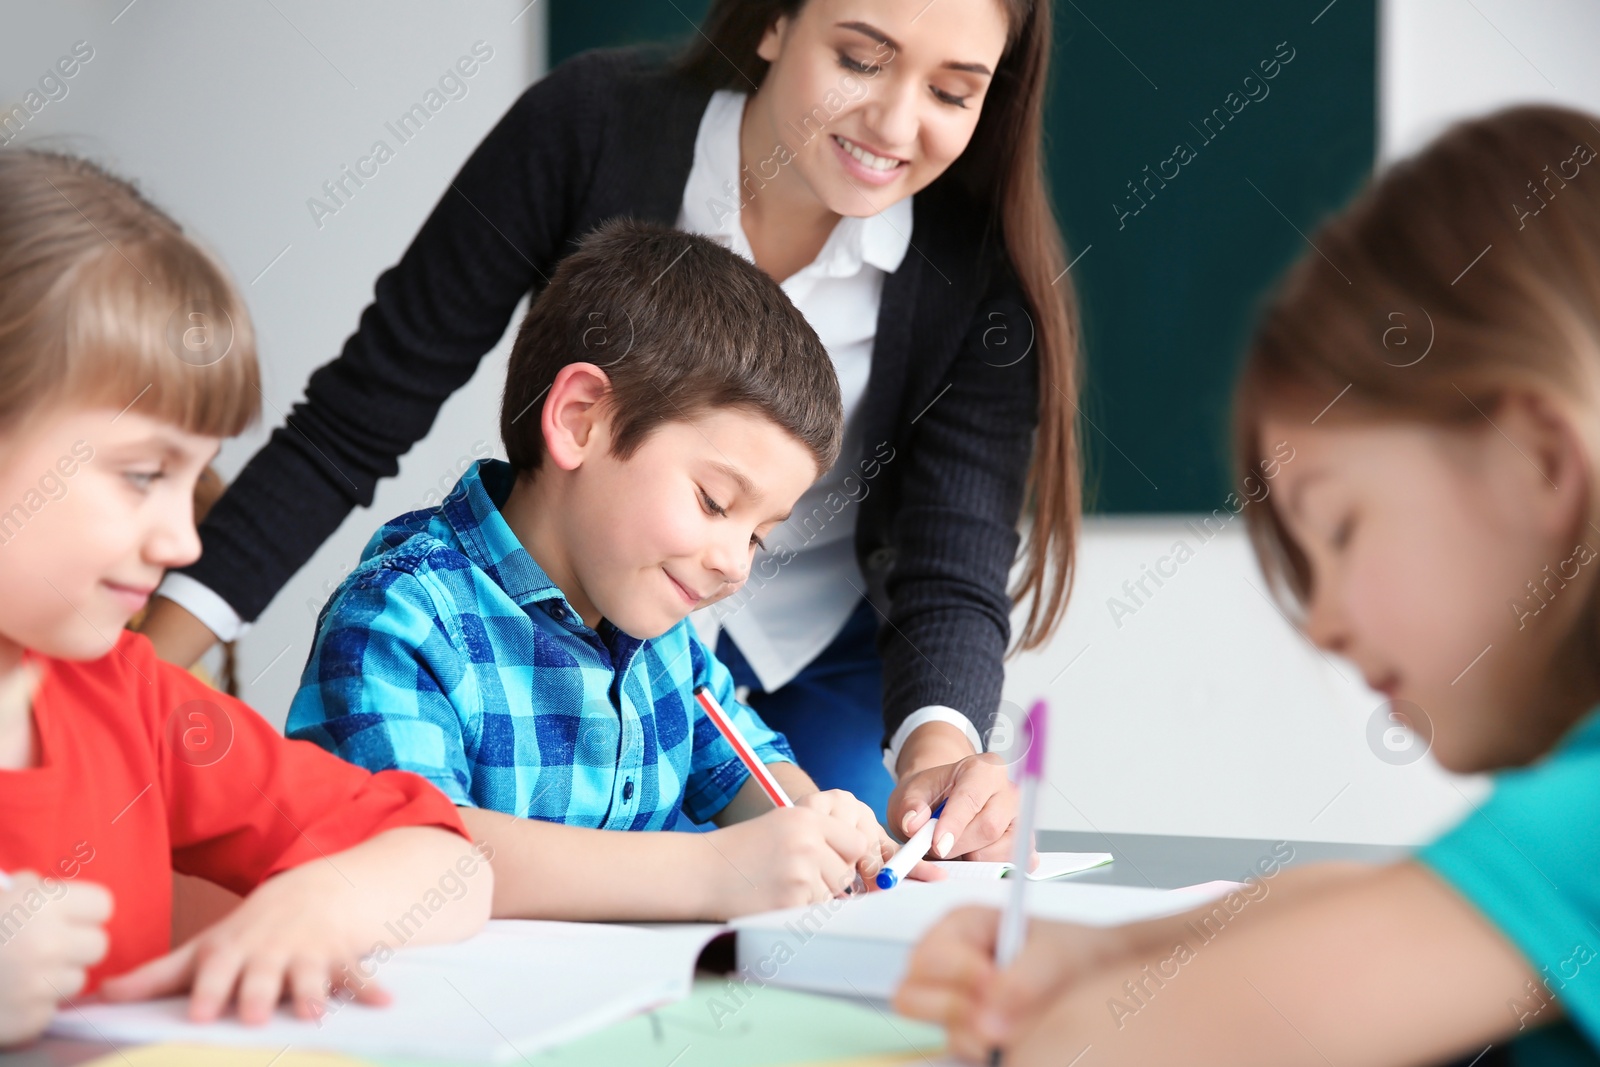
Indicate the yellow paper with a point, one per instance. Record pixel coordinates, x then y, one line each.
220 1056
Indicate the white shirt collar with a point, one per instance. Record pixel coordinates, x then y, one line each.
711 202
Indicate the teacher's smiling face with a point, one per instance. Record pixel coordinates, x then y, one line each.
873 99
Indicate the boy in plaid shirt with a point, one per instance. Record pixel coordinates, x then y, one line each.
525 646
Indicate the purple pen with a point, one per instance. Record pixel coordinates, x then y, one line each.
1014 920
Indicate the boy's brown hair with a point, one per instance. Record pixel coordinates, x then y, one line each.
681 326
1463 273
105 300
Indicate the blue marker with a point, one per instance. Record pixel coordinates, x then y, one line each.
911 853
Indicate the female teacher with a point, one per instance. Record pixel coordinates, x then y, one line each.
881 158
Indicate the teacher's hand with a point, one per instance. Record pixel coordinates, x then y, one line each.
980 801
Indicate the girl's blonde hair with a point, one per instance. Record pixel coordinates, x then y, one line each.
1463 273
104 300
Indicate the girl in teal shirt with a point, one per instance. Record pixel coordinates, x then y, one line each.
1434 365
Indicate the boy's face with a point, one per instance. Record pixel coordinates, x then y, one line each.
1421 542
673 528
94 506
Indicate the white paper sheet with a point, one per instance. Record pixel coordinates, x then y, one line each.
516 988
1051 865
860 946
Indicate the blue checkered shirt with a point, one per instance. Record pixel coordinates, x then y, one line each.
448 652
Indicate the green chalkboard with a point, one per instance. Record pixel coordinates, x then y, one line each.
1173 260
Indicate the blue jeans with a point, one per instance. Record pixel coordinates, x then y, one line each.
831 712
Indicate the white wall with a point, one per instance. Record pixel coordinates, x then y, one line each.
1440 60
1201 713
232 116
1204 713
1192 707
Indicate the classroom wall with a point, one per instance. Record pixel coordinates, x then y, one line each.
1202 712
1164 724
1183 703
1198 712
233 116
1275 102
1442 59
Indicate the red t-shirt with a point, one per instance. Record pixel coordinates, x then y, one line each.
143 769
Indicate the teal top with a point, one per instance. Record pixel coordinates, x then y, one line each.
1528 858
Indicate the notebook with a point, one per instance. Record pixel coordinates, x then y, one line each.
860 946
515 989
1051 865
521 987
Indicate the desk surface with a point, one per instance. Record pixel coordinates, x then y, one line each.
1164 862
1167 862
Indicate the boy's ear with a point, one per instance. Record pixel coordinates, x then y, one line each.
1554 460
573 420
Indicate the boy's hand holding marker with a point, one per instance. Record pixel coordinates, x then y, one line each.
826 844
841 805
787 858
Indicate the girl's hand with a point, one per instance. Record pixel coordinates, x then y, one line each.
979 813
952 978
842 804
289 937
46 957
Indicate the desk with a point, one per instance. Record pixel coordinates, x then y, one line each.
1138 859
1166 862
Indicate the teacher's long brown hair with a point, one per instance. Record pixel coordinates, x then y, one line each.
1003 164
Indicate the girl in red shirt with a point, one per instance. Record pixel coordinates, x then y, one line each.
125 357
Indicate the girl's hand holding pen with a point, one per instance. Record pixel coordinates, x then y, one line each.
952 978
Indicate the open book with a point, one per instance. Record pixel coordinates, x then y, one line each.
860 946
1051 865
515 989
521 987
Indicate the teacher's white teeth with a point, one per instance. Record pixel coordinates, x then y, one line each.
865 157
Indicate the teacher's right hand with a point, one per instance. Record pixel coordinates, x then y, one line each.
937 763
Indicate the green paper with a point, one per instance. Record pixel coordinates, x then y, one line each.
723 1024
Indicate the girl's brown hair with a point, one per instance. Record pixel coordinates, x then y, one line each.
1461 274
104 300
1003 167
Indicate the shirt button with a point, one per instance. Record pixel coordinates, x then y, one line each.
627 789
557 611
